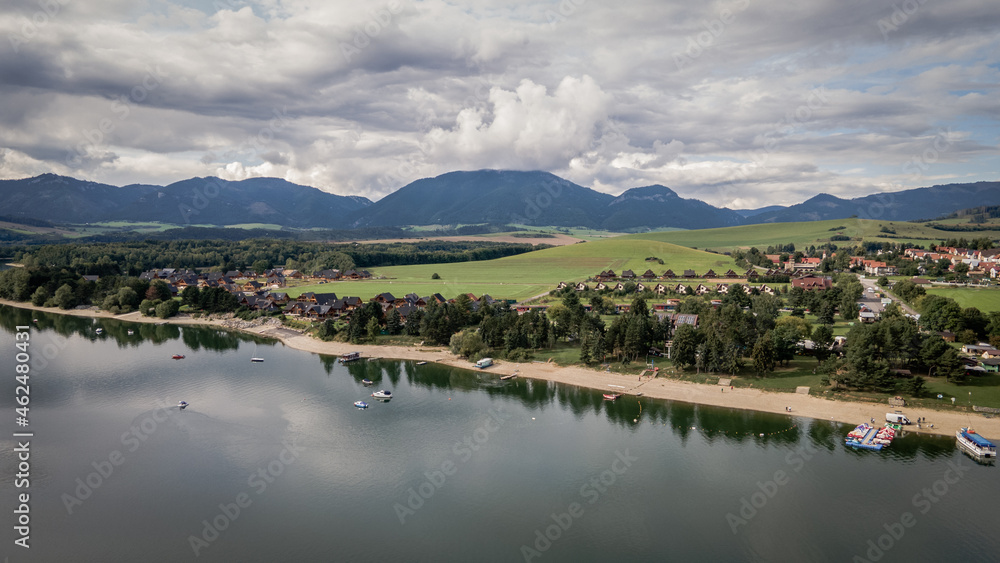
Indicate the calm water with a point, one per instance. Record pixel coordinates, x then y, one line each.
320 480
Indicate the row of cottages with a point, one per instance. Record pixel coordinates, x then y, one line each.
661 289
649 275
337 275
982 350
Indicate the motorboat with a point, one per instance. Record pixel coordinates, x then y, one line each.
975 444
367 382
257 360
182 405
99 331
350 357
131 332
382 394
611 396
178 356
361 404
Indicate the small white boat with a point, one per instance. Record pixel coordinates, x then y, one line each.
421 363
366 382
131 332
99 331
361 404
257 360
182 405
382 394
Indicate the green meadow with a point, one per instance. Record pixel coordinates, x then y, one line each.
984 299
808 233
530 274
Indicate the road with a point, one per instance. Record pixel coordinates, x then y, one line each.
870 282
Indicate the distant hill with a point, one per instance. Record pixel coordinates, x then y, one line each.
752 212
198 200
654 207
537 198
907 205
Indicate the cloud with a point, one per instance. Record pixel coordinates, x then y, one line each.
706 98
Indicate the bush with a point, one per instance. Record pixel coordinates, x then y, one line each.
435 276
167 308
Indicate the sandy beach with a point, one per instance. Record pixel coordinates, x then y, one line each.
944 422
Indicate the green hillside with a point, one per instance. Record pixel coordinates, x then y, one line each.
527 275
808 233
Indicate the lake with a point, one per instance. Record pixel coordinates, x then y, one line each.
272 462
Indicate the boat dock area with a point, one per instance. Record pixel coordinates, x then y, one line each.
868 437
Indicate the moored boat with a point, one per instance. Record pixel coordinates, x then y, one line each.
257 360
611 396
361 404
382 394
974 444
182 405
178 356
366 382
350 357
99 331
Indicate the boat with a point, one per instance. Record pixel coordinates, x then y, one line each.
256 359
366 382
612 396
361 404
868 437
350 357
421 363
506 377
182 405
974 444
131 332
382 394
178 356
99 331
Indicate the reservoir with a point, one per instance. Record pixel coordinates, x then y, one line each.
272 461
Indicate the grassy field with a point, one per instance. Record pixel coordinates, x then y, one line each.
806 233
530 274
984 299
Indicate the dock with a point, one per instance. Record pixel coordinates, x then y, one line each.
506 377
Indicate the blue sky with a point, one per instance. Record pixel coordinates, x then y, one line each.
741 103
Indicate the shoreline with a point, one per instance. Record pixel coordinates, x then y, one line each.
810 406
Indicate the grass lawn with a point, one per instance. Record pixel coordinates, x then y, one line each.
984 299
529 274
806 233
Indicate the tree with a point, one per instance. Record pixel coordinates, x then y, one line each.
190 295
685 346
822 337
167 308
40 296
915 386
785 340
158 291
261 266
799 324
763 355
394 322
883 281
64 297
373 329
435 276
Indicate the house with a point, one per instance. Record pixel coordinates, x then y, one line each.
583 287
867 317
648 275
722 288
702 289
607 276
681 288
622 308
980 350
690 274
766 289
751 273
684 319
991 365
601 286
620 287
561 285
668 275
640 287
628 275
91 278
384 298
810 283
710 275
731 274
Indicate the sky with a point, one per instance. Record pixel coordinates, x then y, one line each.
739 103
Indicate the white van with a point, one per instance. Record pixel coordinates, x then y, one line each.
897 418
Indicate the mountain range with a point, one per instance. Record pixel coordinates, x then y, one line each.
483 196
